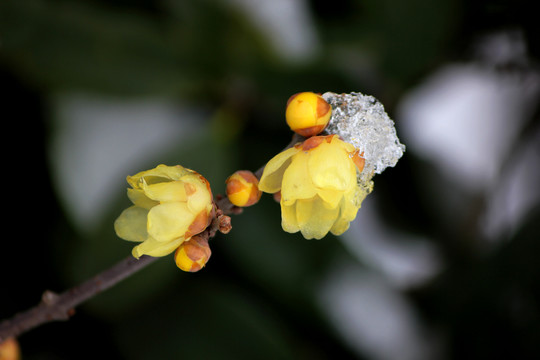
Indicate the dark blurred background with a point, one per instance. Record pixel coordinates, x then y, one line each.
443 261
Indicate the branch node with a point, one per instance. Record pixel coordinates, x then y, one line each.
224 224
49 298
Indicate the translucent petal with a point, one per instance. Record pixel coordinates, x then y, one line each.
159 174
297 181
273 171
340 226
314 219
138 198
348 147
348 209
288 218
166 191
131 224
169 221
331 168
152 247
198 196
331 198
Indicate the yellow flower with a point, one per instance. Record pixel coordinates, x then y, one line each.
318 184
170 205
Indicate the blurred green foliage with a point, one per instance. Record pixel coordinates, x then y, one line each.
257 296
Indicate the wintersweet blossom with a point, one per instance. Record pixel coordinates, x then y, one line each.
170 205
318 184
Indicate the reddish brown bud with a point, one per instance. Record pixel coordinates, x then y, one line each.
193 254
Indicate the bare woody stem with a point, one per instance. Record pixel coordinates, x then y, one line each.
58 307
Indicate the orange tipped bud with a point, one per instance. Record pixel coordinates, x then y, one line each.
307 113
193 254
9 349
243 188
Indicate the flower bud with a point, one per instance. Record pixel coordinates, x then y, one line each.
243 188
193 254
307 113
9 349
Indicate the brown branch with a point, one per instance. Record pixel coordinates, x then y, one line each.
58 307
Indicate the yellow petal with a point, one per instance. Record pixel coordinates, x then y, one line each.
331 168
350 205
169 221
331 198
288 218
348 147
340 226
138 198
158 174
348 209
273 171
198 196
314 219
166 191
131 224
152 247
297 181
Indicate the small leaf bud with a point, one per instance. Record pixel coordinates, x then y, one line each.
307 113
224 226
243 188
193 254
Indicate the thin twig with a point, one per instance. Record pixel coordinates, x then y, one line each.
58 307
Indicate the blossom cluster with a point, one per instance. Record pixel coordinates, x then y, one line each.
320 181
317 179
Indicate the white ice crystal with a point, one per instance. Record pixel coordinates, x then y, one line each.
361 120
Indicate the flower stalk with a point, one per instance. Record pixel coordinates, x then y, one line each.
58 307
